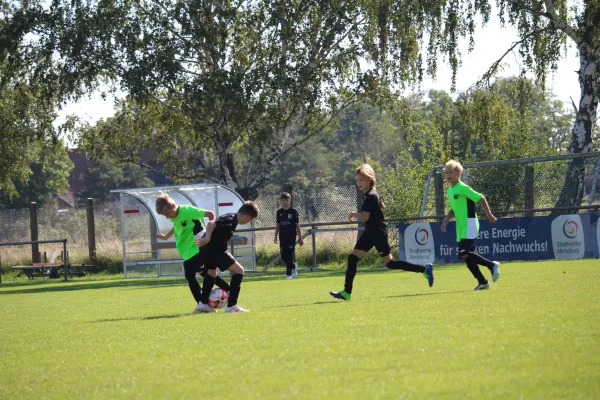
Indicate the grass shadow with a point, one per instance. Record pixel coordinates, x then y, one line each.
166 316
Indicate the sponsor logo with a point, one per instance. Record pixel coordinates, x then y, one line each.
570 228
422 236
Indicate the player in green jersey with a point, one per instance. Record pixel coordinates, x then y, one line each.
462 201
185 226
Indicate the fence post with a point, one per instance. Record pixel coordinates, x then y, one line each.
33 222
91 226
65 259
439 194
314 248
529 186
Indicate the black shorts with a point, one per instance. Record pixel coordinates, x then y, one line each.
222 260
466 246
379 240
195 263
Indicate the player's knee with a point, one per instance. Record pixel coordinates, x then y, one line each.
463 254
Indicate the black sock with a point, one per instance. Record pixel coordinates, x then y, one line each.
477 259
207 287
350 272
194 285
234 292
405 265
474 268
219 282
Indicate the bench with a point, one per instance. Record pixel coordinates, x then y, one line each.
50 270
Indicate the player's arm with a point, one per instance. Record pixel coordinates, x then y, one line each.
447 219
276 233
359 216
167 236
486 208
209 214
210 227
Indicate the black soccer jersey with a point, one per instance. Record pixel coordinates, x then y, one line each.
372 205
225 225
287 220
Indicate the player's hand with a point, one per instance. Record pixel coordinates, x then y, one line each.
300 241
161 236
443 228
492 218
201 242
351 217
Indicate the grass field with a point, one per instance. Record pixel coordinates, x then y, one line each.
534 335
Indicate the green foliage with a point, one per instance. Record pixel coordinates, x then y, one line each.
49 167
104 176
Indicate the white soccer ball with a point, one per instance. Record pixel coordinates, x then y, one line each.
218 298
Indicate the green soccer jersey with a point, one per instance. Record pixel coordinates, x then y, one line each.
462 200
183 224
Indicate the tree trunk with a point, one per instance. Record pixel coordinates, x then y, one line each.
571 193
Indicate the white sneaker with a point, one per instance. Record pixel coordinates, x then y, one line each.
295 272
288 277
235 308
482 286
203 308
495 271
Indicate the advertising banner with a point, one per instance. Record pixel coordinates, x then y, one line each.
529 238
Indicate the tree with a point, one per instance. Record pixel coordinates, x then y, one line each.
545 27
104 176
47 175
239 76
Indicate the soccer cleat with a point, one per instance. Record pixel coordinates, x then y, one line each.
203 308
343 295
429 274
495 271
288 277
482 286
235 308
295 272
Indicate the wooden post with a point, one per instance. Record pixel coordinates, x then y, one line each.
91 226
439 194
528 203
33 222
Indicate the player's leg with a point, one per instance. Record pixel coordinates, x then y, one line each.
209 281
190 267
493 266
363 245
465 249
383 248
295 270
288 258
226 261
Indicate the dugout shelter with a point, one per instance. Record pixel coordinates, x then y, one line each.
145 256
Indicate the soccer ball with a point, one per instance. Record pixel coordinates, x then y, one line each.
218 298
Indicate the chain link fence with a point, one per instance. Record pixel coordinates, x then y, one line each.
518 186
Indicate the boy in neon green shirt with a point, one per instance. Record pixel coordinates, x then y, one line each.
462 199
187 222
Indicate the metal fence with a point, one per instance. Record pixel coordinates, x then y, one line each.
508 185
521 184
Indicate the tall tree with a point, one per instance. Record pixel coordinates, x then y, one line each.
545 28
238 75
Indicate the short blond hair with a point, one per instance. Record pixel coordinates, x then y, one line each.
368 172
164 203
453 165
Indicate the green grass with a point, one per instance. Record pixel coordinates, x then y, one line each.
534 335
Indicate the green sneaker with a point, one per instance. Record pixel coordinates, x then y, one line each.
343 295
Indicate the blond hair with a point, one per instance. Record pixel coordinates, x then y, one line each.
453 165
368 172
164 203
